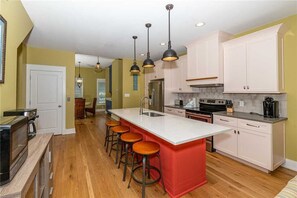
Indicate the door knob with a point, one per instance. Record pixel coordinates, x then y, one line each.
60 106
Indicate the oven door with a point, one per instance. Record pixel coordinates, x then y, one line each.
203 118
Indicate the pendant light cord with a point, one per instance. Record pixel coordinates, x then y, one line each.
169 41
148 43
134 51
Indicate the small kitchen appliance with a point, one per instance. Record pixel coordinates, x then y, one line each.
31 114
270 108
178 102
13 146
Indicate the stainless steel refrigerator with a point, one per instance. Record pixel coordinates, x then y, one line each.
156 93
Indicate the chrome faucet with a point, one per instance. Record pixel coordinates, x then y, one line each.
141 103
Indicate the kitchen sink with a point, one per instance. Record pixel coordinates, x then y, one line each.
152 114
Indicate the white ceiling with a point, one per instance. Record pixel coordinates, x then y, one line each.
105 27
90 61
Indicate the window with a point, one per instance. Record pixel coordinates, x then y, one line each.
79 91
101 91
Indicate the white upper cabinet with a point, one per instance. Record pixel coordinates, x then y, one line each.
254 63
175 77
205 60
158 70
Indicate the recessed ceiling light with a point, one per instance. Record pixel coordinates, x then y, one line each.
142 54
200 24
162 44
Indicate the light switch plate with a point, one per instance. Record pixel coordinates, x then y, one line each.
127 95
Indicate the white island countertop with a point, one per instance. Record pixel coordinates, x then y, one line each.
173 129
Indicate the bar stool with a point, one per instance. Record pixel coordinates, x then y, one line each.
109 124
118 130
128 140
146 149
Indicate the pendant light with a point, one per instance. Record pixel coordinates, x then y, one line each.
148 62
134 68
98 64
169 55
79 79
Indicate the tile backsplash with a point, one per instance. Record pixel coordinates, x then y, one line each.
252 102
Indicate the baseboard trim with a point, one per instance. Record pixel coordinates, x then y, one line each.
290 164
100 110
69 131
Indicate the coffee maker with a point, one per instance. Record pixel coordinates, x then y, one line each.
270 108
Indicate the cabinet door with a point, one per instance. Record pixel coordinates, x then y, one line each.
180 112
235 67
254 147
158 70
262 67
226 142
202 59
192 61
182 74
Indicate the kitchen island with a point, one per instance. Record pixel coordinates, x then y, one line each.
182 146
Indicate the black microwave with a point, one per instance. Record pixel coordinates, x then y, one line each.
13 146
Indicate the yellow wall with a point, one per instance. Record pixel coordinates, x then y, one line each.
90 82
21 76
117 79
290 62
133 100
58 58
19 26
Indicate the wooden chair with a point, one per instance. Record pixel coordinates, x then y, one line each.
93 108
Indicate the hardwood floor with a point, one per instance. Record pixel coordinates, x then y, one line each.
83 169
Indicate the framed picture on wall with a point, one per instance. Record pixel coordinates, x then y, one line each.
3 25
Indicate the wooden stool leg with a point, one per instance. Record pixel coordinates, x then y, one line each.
111 143
117 151
131 175
143 175
126 161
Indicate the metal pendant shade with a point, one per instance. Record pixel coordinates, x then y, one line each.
169 55
134 68
148 62
79 79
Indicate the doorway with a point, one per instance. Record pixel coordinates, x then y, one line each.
46 91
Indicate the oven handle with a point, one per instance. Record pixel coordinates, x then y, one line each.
197 115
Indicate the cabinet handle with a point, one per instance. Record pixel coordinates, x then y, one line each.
180 111
238 132
169 109
50 157
224 120
248 87
51 175
51 190
234 131
253 125
243 87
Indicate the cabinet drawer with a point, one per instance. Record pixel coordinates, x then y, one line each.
223 120
255 126
180 112
169 110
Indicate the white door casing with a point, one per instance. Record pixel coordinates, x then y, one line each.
46 91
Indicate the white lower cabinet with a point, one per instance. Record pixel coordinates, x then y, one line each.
175 111
261 144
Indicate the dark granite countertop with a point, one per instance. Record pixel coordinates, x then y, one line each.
249 116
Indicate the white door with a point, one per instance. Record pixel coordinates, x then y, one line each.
46 94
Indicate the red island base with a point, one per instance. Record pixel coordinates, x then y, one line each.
183 166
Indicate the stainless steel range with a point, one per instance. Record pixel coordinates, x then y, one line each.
204 113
